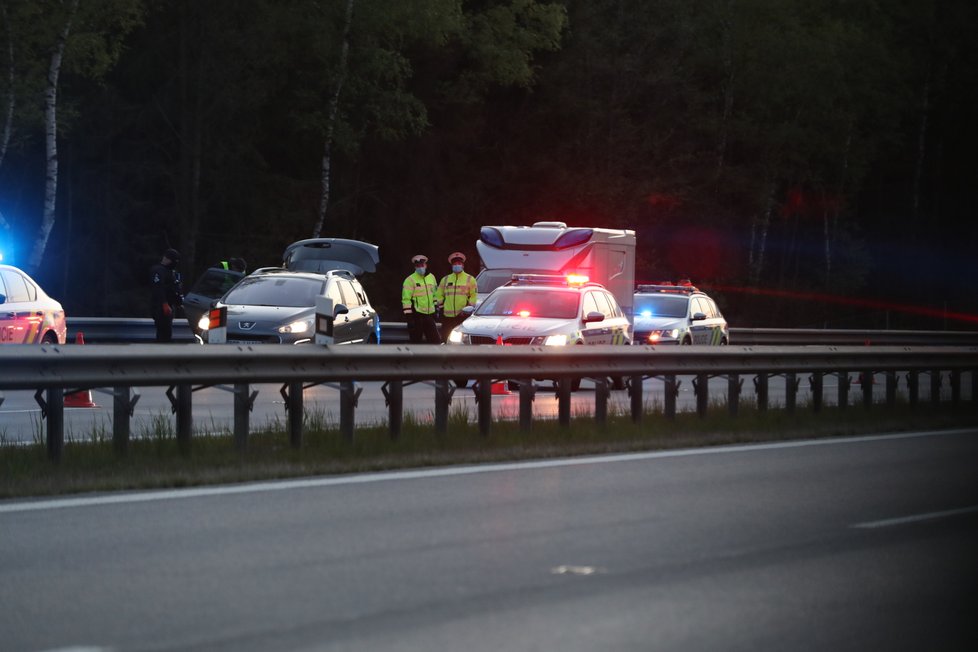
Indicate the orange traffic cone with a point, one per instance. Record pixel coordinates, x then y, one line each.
82 399
501 388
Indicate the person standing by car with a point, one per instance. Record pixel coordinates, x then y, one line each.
166 294
418 302
455 291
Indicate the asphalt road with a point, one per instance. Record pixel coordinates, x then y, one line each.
21 421
835 545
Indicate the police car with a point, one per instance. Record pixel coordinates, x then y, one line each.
27 314
548 310
670 313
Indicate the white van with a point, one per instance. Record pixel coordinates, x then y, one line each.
605 256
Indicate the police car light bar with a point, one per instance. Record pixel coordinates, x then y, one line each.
674 289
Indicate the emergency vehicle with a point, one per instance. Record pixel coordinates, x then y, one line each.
605 256
546 310
678 313
27 314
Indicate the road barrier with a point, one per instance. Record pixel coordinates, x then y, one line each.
112 330
54 371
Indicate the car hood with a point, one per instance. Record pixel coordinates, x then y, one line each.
325 254
265 316
514 326
658 323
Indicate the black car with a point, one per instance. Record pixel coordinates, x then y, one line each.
211 286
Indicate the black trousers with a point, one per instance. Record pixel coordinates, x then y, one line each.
422 328
164 327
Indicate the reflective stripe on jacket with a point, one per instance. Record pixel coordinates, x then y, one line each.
419 293
455 291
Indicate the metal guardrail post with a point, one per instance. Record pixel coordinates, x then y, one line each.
243 402
935 387
734 384
912 387
601 394
483 399
891 388
348 403
815 380
120 420
843 395
637 400
394 395
671 393
54 411
791 381
443 398
866 380
527 392
183 406
701 387
292 392
761 390
564 400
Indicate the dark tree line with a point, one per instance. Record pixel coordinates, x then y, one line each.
765 148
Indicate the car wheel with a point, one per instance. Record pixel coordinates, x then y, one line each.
617 382
461 382
49 338
687 342
724 342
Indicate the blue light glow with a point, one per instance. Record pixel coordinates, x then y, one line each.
646 313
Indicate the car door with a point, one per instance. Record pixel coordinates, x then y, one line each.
596 332
342 330
20 317
701 328
360 323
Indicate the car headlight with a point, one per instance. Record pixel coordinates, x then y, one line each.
204 323
300 326
455 337
556 340
655 336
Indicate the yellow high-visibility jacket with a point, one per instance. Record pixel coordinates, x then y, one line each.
418 293
455 291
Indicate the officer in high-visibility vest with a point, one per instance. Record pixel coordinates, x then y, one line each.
455 291
234 264
418 301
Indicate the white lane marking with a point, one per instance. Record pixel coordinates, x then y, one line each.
574 570
364 478
914 518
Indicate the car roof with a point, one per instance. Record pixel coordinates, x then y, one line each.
318 276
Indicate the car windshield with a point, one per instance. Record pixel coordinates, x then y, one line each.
288 292
661 306
547 304
215 282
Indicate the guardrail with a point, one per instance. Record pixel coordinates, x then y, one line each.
57 370
112 330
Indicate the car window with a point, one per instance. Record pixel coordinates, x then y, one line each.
215 282
350 297
714 308
334 292
589 305
530 303
661 305
700 306
16 285
613 305
289 292
3 291
602 303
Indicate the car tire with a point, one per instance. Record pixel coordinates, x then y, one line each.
687 342
617 382
461 382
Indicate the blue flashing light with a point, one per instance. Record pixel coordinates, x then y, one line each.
646 313
573 238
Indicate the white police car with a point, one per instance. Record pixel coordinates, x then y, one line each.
27 314
548 310
678 314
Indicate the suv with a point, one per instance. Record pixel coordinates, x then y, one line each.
678 314
547 310
273 305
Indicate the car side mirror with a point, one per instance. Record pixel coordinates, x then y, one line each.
593 317
340 309
699 316
468 310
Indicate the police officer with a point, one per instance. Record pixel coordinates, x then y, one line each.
166 293
418 301
455 291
